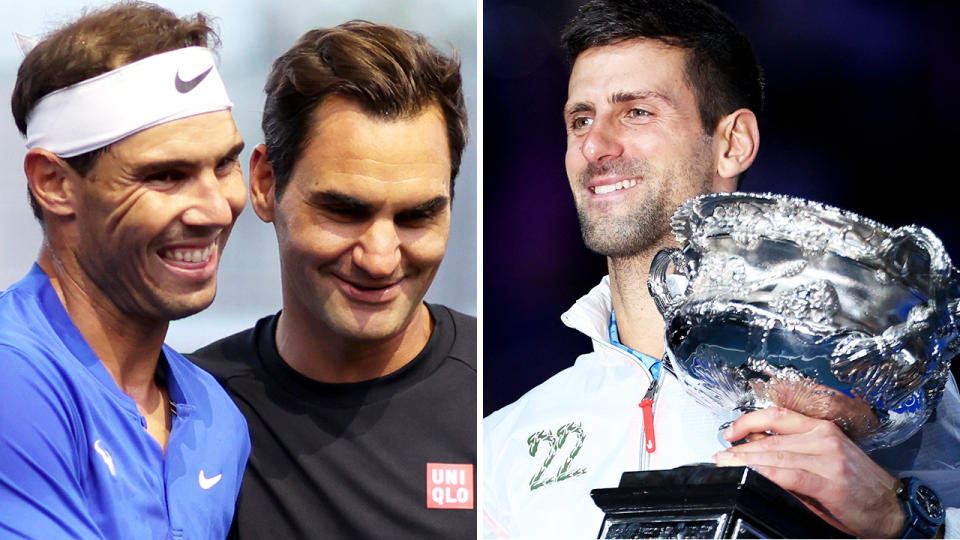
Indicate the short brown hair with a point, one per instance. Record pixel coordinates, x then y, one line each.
721 66
98 42
390 72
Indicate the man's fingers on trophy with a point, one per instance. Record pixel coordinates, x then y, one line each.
769 421
764 459
750 437
829 445
794 479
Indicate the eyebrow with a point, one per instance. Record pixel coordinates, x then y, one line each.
342 201
427 208
624 97
579 107
618 97
147 169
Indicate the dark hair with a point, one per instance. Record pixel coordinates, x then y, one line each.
721 67
97 42
391 73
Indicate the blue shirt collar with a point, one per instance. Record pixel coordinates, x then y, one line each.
650 362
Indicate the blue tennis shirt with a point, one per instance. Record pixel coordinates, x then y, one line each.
75 458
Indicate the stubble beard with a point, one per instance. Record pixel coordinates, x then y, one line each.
647 224
136 297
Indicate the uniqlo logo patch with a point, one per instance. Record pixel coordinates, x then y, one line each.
450 485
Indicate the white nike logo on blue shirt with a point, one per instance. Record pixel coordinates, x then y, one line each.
107 458
207 483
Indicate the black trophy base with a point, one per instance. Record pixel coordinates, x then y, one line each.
705 501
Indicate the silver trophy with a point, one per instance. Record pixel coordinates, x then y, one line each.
796 304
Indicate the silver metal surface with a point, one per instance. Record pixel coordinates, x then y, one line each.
801 305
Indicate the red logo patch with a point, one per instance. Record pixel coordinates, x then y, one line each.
450 485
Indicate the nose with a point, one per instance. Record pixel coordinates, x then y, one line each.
601 142
377 251
212 200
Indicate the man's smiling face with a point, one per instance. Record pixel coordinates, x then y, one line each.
364 219
636 147
154 214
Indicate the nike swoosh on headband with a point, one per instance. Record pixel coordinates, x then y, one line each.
131 98
185 86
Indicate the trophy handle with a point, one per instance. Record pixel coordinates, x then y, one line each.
916 250
953 307
953 294
862 361
657 282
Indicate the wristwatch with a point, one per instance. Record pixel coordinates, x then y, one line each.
923 513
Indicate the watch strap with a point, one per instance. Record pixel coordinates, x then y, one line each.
923 513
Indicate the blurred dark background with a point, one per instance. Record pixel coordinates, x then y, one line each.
861 113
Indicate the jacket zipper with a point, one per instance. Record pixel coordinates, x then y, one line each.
649 406
649 436
651 395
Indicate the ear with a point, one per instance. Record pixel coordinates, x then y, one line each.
738 137
51 181
262 184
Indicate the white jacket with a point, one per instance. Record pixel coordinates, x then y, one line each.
587 417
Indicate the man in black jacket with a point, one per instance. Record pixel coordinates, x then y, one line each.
361 398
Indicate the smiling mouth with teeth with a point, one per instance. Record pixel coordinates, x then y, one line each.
373 287
189 255
610 188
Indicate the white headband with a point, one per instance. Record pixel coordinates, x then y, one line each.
96 112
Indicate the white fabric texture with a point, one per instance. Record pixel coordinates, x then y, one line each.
104 109
952 523
600 394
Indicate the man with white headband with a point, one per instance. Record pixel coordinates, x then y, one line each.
132 168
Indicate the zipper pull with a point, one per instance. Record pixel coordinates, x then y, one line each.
649 437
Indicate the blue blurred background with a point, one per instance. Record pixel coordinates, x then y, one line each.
861 113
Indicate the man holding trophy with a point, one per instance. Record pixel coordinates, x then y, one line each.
663 99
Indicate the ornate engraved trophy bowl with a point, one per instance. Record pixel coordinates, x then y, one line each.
796 304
